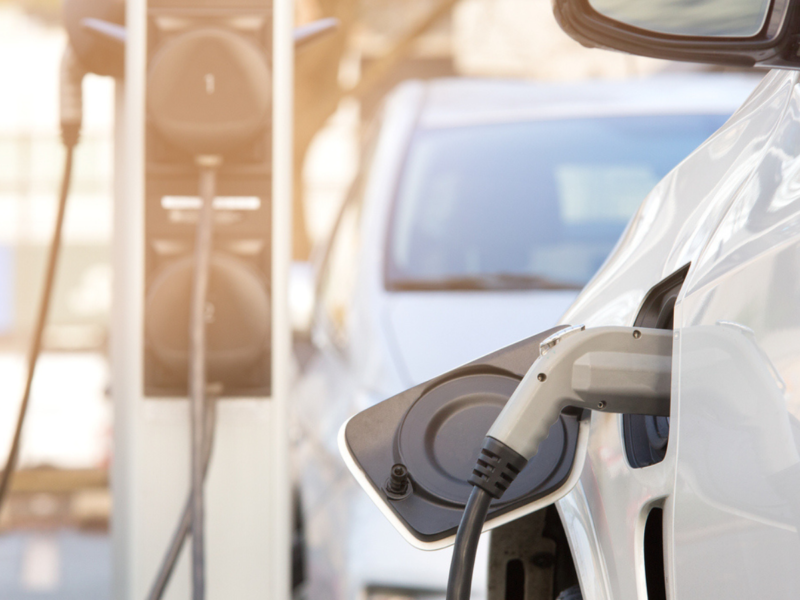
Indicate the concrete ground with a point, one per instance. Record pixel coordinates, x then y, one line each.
62 564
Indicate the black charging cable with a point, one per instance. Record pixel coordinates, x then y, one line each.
185 523
496 468
72 73
203 410
459 583
197 365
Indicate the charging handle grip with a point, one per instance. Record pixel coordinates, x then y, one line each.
608 369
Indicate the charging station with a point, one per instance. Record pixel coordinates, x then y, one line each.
161 156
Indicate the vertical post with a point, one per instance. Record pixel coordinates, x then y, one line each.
128 309
282 198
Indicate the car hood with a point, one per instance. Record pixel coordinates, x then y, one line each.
433 332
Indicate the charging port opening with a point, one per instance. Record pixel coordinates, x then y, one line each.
646 436
654 555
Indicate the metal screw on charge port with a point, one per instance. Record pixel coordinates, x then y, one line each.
637 334
398 485
541 377
601 405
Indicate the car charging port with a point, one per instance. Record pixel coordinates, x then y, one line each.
646 436
609 369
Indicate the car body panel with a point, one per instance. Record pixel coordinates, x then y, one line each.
705 212
737 490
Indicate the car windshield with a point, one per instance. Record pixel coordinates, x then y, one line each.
532 205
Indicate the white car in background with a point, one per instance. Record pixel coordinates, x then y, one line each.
481 210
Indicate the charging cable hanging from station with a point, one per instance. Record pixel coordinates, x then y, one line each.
71 118
208 165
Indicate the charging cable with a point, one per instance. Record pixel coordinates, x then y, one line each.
71 105
197 364
202 408
607 369
185 523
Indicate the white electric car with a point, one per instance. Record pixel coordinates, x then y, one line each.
480 211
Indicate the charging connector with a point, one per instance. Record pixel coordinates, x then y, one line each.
608 369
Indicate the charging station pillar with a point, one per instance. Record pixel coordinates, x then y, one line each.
248 508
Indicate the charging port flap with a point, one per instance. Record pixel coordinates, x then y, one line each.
414 452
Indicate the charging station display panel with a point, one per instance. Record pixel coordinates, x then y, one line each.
209 64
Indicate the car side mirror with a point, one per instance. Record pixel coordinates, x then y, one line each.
726 32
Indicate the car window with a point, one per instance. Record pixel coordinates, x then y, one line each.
528 205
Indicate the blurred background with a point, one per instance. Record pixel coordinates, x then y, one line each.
60 503
53 530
